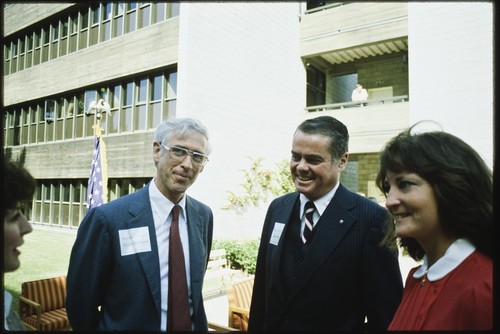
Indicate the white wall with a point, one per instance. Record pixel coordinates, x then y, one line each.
240 72
451 69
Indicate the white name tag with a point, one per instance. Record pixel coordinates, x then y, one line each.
275 237
134 240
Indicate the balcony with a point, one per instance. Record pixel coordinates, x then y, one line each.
370 126
341 33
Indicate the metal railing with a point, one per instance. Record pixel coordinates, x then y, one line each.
342 105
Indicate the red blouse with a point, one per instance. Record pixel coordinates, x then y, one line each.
461 300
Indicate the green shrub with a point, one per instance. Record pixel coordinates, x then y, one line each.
241 255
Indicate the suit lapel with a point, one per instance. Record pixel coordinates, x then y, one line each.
283 215
332 226
141 215
197 249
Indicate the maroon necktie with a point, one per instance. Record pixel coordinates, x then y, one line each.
179 318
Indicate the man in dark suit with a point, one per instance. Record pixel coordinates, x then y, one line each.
119 266
327 272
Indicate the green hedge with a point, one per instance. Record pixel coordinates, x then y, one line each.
241 255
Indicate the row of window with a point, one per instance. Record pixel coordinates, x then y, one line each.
63 202
135 105
86 27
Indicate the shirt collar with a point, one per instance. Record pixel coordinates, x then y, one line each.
454 255
320 203
161 205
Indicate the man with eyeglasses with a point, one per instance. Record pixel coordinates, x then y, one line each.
118 277
320 266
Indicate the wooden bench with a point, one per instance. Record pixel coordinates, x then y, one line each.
219 267
42 304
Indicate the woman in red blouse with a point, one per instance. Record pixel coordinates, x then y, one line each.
440 194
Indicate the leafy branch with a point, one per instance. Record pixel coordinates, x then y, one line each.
259 184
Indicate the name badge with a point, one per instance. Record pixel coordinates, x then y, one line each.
134 240
276 235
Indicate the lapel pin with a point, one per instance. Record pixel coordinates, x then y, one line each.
341 221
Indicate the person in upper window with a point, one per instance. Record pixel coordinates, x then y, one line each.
439 192
359 94
18 188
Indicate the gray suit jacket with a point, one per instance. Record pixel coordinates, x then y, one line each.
127 287
340 279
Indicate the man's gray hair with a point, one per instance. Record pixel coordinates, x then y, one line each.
182 127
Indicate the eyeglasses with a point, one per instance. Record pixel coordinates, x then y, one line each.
179 154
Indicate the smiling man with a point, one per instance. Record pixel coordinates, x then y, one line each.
121 265
320 265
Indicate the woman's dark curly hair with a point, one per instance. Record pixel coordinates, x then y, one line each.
460 179
18 186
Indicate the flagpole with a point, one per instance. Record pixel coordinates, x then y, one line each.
104 159
97 190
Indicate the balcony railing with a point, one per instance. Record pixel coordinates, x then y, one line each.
342 105
320 8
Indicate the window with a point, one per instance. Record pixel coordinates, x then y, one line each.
13 66
29 50
141 91
131 17
144 15
22 54
316 81
106 23
69 113
37 38
174 9
127 111
84 30
45 44
119 10
55 40
50 109
63 44
155 111
94 27
80 115
159 12
139 104
89 26
140 115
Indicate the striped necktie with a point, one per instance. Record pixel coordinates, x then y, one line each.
308 227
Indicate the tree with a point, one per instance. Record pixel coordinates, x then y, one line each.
259 184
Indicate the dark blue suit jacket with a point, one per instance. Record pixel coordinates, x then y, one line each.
127 288
343 277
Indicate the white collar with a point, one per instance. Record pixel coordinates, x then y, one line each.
161 205
320 203
454 255
7 301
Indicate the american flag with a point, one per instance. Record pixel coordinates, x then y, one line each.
97 189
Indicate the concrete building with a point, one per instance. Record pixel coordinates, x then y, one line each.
250 71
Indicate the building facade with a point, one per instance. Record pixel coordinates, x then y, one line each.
250 71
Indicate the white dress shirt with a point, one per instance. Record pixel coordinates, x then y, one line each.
320 205
162 208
